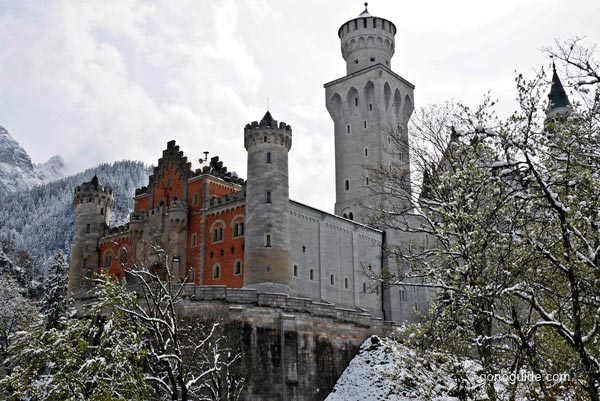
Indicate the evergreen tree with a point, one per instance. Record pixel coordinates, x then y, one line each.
54 303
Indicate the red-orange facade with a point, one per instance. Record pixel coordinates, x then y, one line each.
213 203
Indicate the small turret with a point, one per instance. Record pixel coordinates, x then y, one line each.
367 40
267 248
558 105
93 202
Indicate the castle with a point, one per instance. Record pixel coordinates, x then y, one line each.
220 230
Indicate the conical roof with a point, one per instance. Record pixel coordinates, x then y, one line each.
267 119
558 96
365 13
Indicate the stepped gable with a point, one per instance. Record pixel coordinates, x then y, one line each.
216 168
172 156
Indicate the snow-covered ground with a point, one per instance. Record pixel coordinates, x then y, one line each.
385 369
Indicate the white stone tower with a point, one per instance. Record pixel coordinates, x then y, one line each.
366 105
93 202
267 247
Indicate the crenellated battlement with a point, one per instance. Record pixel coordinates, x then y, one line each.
367 40
94 192
268 132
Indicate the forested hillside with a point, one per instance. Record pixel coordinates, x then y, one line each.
40 220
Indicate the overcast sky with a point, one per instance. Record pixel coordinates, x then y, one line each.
99 81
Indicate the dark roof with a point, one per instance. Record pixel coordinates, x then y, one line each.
267 119
558 96
94 181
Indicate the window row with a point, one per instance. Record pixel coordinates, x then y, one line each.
123 257
218 228
216 270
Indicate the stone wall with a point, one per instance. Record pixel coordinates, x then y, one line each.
294 349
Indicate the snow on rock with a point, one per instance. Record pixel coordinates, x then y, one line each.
18 173
385 369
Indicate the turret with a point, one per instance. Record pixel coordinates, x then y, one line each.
558 105
367 40
370 108
267 246
93 202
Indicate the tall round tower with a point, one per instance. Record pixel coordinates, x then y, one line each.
93 202
370 108
267 248
367 40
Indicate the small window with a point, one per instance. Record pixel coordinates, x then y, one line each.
346 283
402 295
311 274
350 216
216 273
365 288
364 22
107 259
365 124
372 59
331 279
268 240
123 256
367 181
102 212
217 234
238 229
356 101
347 185
355 61
366 152
348 129
237 267
416 306
84 263
268 196
168 181
195 199
295 270
345 216
389 140
88 228
265 138
370 106
268 157
194 239
374 22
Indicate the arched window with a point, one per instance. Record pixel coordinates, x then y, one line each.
123 256
108 256
238 228
217 231
350 216
295 270
237 267
331 279
347 185
216 272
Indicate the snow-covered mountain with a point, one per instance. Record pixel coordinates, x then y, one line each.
18 173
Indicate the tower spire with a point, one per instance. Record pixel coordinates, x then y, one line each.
559 102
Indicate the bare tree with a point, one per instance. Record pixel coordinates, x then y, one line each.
189 358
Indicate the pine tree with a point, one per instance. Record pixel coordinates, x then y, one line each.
54 303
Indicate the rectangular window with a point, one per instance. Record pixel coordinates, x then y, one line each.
365 124
88 228
238 229
194 238
268 240
268 157
356 101
370 106
348 129
364 22
195 199
217 234
268 196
